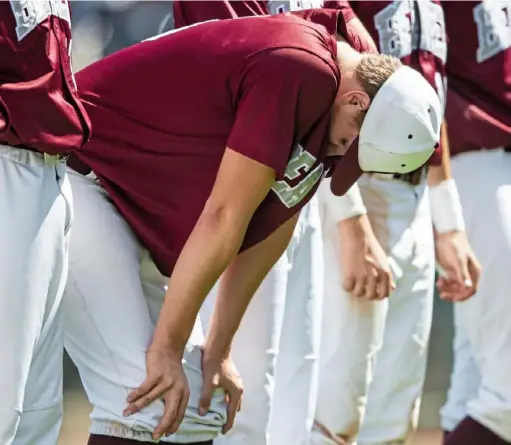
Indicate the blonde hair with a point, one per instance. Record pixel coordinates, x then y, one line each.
374 70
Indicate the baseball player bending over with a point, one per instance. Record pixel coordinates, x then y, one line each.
279 366
209 141
41 120
478 408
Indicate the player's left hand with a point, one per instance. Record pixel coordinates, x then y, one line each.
165 380
460 268
221 373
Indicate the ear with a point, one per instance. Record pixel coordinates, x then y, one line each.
359 99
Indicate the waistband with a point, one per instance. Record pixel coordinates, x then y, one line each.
30 157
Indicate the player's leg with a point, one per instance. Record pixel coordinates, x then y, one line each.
35 205
108 323
484 182
254 351
352 334
465 377
400 217
292 412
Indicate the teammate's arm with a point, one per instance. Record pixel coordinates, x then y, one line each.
458 266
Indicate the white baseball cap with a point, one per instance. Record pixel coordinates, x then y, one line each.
400 132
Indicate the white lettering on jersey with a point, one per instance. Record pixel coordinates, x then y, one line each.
493 20
30 13
280 6
400 31
300 164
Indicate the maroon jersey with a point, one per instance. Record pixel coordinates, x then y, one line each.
479 74
165 110
189 12
413 31
39 106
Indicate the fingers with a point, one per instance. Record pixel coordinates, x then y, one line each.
142 396
177 408
234 393
385 286
371 284
208 387
360 285
474 269
348 283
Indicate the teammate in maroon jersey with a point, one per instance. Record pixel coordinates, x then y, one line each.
208 142
356 330
478 408
41 120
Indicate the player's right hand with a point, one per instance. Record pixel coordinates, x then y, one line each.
365 266
165 380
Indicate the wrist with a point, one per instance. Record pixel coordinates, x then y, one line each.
446 211
344 207
355 230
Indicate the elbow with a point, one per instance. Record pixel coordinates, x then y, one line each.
219 217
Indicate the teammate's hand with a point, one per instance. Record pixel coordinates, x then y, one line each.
460 270
165 380
221 374
365 266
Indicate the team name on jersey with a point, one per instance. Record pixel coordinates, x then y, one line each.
30 13
407 26
299 166
493 20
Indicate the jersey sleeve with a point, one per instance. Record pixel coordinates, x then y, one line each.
190 12
279 95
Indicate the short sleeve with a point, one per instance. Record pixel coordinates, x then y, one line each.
279 95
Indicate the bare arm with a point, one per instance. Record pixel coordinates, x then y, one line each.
240 187
442 172
238 285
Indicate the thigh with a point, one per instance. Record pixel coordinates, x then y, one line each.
105 315
33 268
109 317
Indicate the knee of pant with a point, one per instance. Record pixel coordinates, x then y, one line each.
40 426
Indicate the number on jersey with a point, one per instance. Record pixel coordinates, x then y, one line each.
300 164
493 20
30 13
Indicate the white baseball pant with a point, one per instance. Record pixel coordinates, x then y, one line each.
111 303
276 347
484 183
465 377
35 204
396 332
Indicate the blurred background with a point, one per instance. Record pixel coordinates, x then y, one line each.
103 27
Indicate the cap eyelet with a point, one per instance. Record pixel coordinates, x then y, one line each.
437 145
410 136
403 165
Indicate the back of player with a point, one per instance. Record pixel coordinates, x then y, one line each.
40 121
478 115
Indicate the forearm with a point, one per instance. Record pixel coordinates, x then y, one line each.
442 172
212 245
238 285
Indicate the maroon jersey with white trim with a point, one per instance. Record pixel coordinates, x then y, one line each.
479 74
165 110
39 106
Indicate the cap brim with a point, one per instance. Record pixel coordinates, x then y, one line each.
347 171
